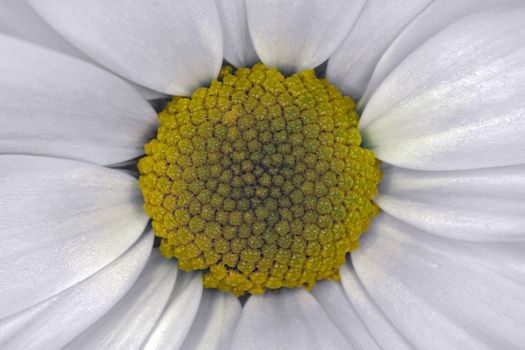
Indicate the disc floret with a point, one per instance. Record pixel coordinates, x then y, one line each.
260 180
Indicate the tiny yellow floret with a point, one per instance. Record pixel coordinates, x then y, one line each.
260 180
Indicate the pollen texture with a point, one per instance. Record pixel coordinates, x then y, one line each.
260 180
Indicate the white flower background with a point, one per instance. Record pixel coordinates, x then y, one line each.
441 87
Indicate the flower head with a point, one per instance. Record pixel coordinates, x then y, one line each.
248 170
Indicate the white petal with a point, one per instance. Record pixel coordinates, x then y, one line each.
238 46
55 105
18 19
286 319
474 218
172 47
434 18
461 102
295 35
176 320
479 205
148 94
351 66
128 324
215 322
442 293
55 321
331 296
382 329
60 222
505 182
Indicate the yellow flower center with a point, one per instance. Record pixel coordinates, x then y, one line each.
260 180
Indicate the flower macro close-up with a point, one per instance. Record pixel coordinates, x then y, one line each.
262 174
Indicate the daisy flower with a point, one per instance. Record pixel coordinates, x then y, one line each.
196 174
